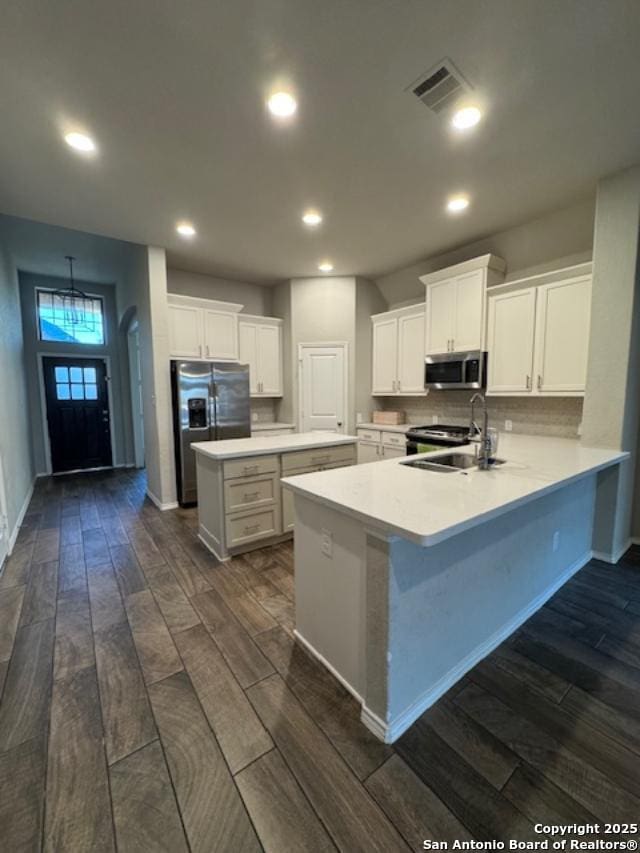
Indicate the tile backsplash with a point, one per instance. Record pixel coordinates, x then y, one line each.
264 408
558 416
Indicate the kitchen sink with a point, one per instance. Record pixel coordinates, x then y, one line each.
450 463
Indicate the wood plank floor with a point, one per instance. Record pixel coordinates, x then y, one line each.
152 699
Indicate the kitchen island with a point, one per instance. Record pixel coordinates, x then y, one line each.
240 503
407 577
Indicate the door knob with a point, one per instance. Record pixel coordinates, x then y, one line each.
339 423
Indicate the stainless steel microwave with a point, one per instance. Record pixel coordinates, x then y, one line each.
456 370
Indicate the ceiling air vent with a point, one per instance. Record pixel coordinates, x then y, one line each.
441 87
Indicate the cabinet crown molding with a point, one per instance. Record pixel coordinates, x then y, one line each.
549 277
259 318
404 311
209 304
492 262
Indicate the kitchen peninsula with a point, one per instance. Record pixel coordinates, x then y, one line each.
240 503
406 577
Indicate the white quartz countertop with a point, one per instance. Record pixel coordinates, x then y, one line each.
235 448
263 426
385 427
427 507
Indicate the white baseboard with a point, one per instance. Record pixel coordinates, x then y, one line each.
391 731
316 654
607 557
159 504
21 515
209 541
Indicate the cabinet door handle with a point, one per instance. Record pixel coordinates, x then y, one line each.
528 383
208 356
453 344
200 349
539 382
399 385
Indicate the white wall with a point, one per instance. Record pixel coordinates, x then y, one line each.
15 447
557 239
257 299
369 301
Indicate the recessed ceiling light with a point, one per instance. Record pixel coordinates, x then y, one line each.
185 229
312 217
466 117
457 203
80 141
282 104
325 266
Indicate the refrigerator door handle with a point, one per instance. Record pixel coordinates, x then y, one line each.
212 409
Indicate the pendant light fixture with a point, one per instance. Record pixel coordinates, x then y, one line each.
76 305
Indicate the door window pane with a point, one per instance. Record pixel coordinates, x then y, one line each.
75 374
89 374
91 392
62 391
62 374
77 392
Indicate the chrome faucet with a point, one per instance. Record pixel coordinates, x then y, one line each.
480 437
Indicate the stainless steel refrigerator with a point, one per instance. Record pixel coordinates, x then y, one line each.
210 403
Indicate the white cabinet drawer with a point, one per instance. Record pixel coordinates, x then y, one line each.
318 457
258 524
368 434
251 466
250 492
394 439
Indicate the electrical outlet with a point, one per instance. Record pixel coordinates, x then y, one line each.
254 417
360 418
556 540
508 426
327 543
434 419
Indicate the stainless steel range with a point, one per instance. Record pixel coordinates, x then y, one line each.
422 439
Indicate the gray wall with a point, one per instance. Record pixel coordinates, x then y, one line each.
257 299
612 398
369 301
324 310
281 296
33 347
15 447
562 237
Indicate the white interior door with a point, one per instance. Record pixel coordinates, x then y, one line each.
323 387
4 521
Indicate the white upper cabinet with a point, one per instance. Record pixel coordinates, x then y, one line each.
440 305
562 344
202 328
538 337
411 353
455 304
185 331
385 354
261 349
512 318
220 335
398 352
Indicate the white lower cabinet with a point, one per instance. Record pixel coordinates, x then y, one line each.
538 338
375 445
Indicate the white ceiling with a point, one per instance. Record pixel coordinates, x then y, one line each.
174 95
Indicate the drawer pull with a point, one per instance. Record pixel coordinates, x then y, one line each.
251 496
251 469
319 460
251 528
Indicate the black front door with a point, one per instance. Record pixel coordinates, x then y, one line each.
77 413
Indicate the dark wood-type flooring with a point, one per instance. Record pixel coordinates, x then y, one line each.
155 700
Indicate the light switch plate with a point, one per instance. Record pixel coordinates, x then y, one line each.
508 426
